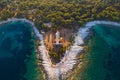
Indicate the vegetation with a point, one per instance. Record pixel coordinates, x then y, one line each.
62 13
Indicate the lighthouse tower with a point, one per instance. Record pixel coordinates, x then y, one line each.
57 37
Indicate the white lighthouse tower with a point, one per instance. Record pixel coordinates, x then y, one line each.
57 37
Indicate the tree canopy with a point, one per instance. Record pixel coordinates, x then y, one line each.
61 13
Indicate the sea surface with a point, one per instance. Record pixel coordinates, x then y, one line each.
17 52
102 59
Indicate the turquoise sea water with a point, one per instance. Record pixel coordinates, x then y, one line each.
18 57
17 52
102 60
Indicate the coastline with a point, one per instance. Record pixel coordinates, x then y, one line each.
81 65
69 61
31 25
81 32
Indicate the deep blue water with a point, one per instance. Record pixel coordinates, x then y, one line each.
16 47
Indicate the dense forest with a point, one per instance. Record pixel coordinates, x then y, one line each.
61 13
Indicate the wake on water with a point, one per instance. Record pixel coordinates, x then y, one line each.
55 72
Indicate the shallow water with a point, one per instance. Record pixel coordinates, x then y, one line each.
102 60
17 52
18 59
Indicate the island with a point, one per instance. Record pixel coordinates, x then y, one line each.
59 39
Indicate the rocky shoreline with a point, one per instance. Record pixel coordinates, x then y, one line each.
68 63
